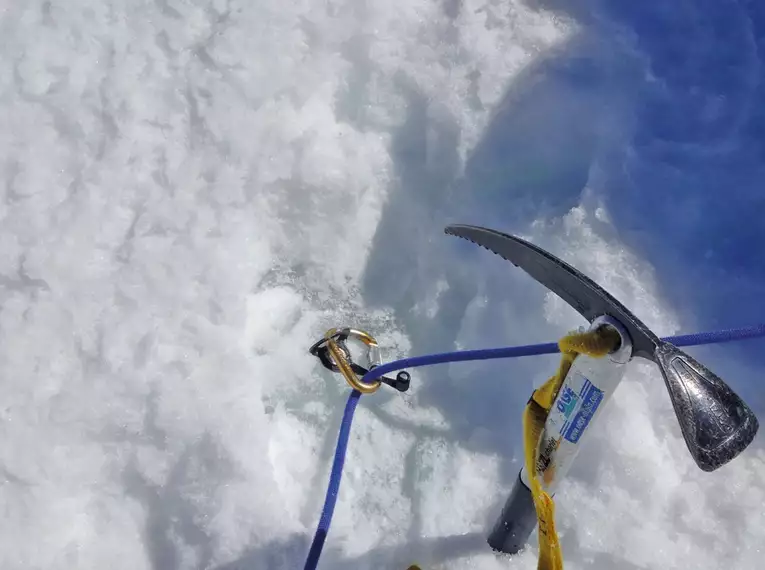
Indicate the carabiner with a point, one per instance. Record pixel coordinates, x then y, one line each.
335 356
344 364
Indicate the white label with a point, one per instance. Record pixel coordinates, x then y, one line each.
569 417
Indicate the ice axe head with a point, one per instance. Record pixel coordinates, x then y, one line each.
716 424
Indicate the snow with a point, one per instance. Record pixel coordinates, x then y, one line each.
195 190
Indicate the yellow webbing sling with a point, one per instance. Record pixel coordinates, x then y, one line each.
597 344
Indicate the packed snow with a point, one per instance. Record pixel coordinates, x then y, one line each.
195 190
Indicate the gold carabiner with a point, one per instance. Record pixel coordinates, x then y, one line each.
342 363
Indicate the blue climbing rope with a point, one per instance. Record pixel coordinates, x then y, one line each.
717 337
334 482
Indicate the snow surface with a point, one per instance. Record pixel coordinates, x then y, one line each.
195 190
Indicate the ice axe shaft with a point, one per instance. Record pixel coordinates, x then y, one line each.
586 389
716 424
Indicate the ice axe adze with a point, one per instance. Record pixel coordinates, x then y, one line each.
716 424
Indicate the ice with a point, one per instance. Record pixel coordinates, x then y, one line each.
195 190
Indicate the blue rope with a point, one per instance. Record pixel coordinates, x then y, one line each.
335 476
717 337
334 482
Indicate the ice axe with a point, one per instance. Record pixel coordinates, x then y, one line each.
716 424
